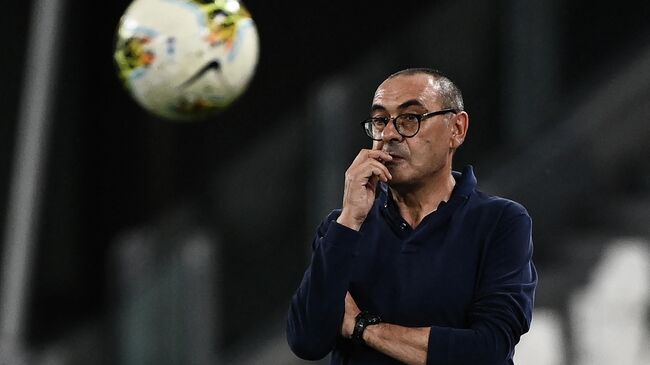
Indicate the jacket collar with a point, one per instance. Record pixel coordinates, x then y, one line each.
465 186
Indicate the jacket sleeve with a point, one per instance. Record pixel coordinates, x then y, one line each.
317 307
502 308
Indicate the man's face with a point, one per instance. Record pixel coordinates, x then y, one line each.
418 158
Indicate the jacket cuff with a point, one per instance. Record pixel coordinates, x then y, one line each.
340 237
438 350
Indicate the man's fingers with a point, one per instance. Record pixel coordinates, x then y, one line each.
378 145
372 182
371 154
379 155
363 171
378 169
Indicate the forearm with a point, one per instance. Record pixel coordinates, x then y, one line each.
412 345
406 344
316 310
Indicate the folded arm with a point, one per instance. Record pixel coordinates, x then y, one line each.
500 314
316 310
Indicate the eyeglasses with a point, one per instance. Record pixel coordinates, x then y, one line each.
407 124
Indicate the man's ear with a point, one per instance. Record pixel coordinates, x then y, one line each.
459 129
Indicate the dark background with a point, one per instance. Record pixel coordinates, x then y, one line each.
112 168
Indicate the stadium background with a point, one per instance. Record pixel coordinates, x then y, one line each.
132 206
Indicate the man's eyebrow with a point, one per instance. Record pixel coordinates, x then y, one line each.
408 103
376 107
404 105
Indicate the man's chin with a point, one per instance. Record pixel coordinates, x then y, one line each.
402 177
397 170
397 180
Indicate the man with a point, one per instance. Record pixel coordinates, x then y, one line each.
418 266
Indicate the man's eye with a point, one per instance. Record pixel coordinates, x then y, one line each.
409 117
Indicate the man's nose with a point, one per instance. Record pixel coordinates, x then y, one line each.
390 132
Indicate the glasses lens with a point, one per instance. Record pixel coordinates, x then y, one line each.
407 124
374 127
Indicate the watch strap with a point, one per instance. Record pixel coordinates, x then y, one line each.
362 321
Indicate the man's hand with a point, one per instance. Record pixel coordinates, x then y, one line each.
361 180
406 344
351 311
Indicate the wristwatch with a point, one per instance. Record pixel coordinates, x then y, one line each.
363 320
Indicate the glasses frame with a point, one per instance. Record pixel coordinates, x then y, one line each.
419 117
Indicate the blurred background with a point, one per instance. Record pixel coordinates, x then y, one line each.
157 242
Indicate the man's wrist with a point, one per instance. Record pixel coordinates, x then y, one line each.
349 222
372 333
362 321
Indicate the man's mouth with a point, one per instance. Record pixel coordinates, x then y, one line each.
397 159
395 156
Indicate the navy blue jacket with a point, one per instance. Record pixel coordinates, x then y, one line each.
465 271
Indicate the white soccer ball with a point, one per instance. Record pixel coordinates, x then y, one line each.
186 59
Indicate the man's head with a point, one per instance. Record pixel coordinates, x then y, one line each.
419 93
449 92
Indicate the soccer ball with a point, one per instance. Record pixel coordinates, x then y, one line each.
186 59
